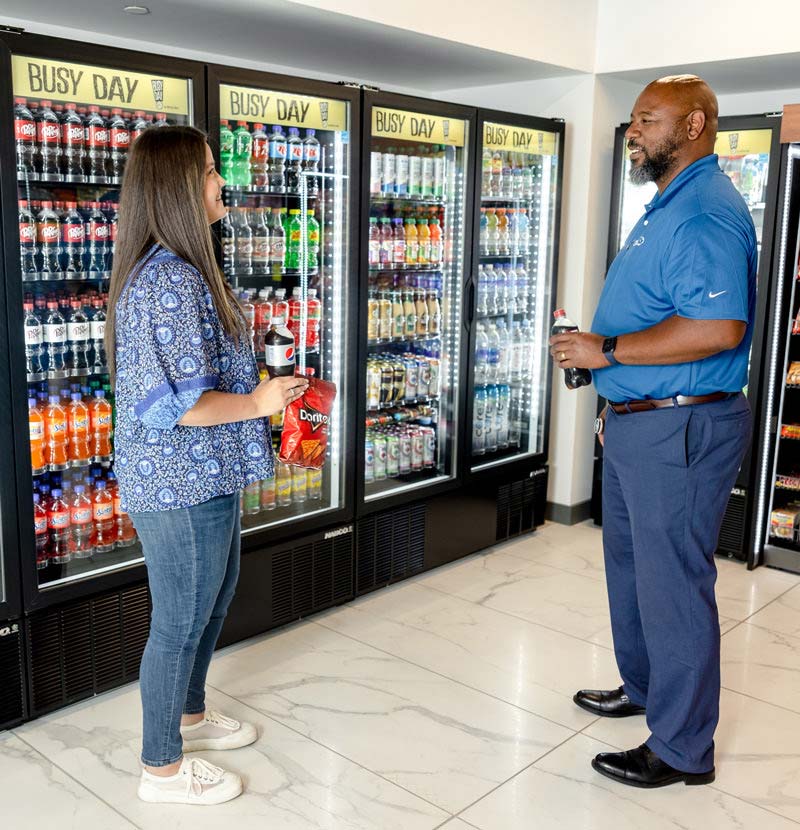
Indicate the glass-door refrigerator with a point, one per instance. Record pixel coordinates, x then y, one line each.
748 147
512 294
71 113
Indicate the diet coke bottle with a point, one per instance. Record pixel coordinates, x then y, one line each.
73 141
48 134
24 137
119 140
27 240
96 144
73 236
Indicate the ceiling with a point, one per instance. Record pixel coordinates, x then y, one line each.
276 32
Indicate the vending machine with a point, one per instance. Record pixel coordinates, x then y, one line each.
288 151
749 153
72 112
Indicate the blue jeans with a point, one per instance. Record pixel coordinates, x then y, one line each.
667 477
192 558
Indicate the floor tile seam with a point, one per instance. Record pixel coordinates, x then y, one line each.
82 784
556 567
450 818
771 630
448 678
528 622
717 788
767 605
333 750
760 700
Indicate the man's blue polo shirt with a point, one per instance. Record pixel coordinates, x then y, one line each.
692 254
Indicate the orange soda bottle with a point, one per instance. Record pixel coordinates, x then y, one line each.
37 430
78 419
100 419
57 441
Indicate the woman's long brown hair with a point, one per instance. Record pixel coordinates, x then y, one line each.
161 202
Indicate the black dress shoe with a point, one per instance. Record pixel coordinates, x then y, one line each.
641 767
614 704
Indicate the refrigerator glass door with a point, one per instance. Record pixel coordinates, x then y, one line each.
416 220
74 124
514 277
286 160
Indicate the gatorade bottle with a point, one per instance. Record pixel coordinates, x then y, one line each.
56 430
242 141
226 152
573 378
103 515
279 350
79 423
40 531
58 524
81 519
37 433
259 157
100 421
293 241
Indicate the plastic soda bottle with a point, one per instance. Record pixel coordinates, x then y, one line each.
313 237
311 161
103 515
40 531
294 166
57 448
293 233
573 378
251 498
268 494
277 160
283 482
58 525
299 484
226 152
79 424
81 518
100 420
259 157
314 484
277 243
242 141
37 433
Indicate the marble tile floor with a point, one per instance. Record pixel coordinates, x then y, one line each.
444 702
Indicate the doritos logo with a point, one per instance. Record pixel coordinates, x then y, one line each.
314 418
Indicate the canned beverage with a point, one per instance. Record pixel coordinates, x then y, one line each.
435 376
373 385
412 377
429 446
387 384
399 373
405 452
268 494
379 443
424 382
314 484
392 455
369 460
299 483
417 449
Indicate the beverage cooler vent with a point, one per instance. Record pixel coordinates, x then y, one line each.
731 534
390 546
87 646
311 577
521 505
12 693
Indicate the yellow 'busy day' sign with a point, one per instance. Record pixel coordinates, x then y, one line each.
239 103
518 139
83 84
416 126
743 142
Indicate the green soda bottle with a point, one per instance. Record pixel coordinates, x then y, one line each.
242 142
226 152
293 237
313 242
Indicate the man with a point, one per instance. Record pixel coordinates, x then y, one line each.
669 350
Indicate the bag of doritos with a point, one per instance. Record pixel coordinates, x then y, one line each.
305 426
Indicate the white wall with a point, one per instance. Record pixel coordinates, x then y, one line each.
630 36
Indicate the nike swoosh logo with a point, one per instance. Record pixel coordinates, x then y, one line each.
718 294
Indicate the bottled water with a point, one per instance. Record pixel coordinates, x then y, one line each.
517 353
478 421
489 420
503 352
528 346
481 355
491 290
515 417
511 281
493 358
523 289
502 406
501 291
482 307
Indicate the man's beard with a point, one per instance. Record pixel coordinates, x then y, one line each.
656 165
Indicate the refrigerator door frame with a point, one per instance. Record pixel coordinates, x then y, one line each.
379 98
519 466
41 46
217 74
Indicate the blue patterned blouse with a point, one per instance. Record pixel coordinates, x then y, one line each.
170 348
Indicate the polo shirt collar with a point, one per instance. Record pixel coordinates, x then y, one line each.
697 168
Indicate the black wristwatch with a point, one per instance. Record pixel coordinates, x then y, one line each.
609 344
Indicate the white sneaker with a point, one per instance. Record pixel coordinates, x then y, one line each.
216 731
196 782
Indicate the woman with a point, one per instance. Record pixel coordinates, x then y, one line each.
191 433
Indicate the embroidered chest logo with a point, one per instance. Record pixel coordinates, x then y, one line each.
637 242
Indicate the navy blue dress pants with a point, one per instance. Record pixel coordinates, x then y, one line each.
667 477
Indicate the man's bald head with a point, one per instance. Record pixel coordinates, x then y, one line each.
673 124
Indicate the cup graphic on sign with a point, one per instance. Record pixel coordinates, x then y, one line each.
158 93
733 141
323 112
446 128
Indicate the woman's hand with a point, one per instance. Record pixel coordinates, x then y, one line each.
275 394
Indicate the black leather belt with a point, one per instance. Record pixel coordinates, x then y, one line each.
627 407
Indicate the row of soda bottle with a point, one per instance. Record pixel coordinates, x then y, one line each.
289 485
273 161
398 449
503 289
70 428
404 314
413 242
508 175
393 380
78 516
410 172
504 232
75 237
262 240
64 333
497 418
76 141
503 356
260 309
